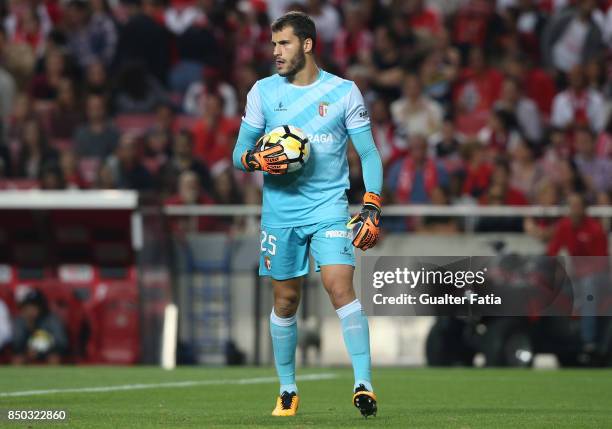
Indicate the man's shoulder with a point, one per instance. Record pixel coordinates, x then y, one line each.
266 82
337 81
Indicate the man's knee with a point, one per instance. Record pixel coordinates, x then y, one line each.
286 303
340 292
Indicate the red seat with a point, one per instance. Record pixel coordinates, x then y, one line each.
115 327
137 124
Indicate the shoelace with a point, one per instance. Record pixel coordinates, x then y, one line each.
287 400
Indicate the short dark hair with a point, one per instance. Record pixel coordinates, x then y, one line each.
303 26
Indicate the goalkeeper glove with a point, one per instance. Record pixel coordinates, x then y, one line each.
272 159
366 222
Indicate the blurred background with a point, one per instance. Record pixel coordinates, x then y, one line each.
117 193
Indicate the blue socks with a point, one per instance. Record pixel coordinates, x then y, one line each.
284 342
357 340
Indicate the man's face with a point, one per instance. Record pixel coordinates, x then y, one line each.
30 312
576 208
288 52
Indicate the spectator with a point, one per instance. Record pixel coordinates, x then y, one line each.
354 40
137 91
183 160
445 145
92 35
501 188
478 170
214 133
471 24
585 240
578 105
604 141
155 53
51 177
530 23
68 112
536 82
525 171
5 326
424 21
29 25
384 64
477 89
38 335
68 164
165 121
156 150
542 228
500 133
98 137
440 69
445 225
570 180
96 79
45 85
327 21
34 151
195 102
596 171
6 163
125 167
572 37
414 177
8 87
525 110
416 113
558 149
389 145
196 44
190 192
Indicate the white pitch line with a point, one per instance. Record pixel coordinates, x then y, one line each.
257 380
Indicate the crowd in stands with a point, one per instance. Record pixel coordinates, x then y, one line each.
471 101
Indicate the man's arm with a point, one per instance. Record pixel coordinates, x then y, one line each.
371 164
247 136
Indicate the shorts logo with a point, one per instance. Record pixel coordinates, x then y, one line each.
337 234
323 108
268 262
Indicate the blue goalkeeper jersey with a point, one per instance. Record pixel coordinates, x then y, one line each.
329 110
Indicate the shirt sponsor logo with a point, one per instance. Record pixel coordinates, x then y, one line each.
281 107
321 138
268 262
363 114
338 234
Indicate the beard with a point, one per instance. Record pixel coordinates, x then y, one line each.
295 65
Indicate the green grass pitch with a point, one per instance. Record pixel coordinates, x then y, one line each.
408 398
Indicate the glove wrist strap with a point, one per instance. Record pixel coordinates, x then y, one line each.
373 200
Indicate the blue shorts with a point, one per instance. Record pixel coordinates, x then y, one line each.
284 251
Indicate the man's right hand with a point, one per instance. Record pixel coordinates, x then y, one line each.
272 159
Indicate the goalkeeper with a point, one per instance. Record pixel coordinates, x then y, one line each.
307 211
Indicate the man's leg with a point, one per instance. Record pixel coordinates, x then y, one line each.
338 282
283 329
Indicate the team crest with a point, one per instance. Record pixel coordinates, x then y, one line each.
268 262
323 108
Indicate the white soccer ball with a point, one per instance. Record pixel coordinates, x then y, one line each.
295 144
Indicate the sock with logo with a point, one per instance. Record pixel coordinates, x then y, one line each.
284 342
357 340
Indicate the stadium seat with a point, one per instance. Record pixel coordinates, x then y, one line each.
137 124
115 329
